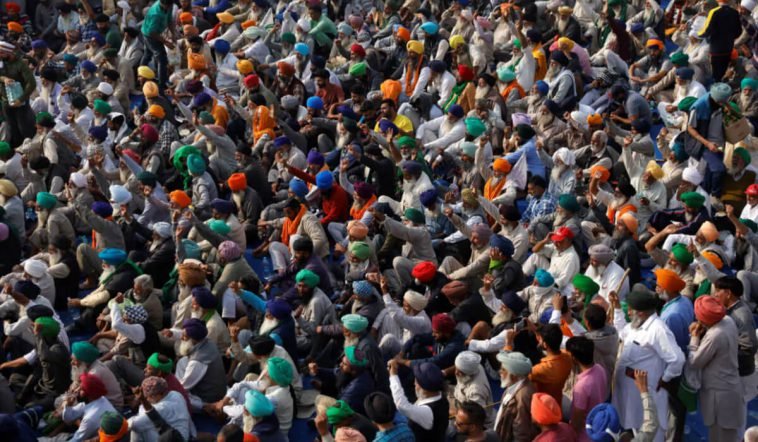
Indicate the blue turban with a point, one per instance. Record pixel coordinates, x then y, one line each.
347 112
257 404
298 187
302 49
503 244
102 209
324 180
602 420
413 167
456 110
363 289
430 28
26 288
100 133
428 197
195 329
513 302
281 141
385 125
438 66
221 46
315 103
279 308
204 298
191 249
720 92
679 153
637 27
201 99
71 59
315 157
223 206
559 57
542 87
544 278
113 257
685 73
88 66
429 376
99 38
39 44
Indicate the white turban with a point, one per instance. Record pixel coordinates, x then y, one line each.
515 363
748 4
119 194
78 179
416 300
566 156
691 175
580 118
304 23
123 4
35 268
520 118
468 362
105 88
602 253
162 229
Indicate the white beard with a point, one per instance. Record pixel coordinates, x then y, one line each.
505 382
184 291
238 197
618 202
55 258
185 348
560 218
481 92
599 269
42 217
495 180
106 274
636 322
556 173
124 174
267 326
360 267
502 317
408 185
351 342
596 150
154 245
543 121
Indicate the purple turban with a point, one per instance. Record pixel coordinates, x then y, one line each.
279 308
195 329
229 250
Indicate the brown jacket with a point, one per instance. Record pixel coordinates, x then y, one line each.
514 423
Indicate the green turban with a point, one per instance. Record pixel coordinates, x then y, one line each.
468 148
220 227
585 284
196 164
163 367
681 254
680 58
406 141
506 75
111 423
110 52
307 277
280 371
751 83
85 352
414 215
355 360
181 155
686 103
50 327
5 149
355 323
339 412
358 69
191 249
46 200
744 154
474 126
102 107
517 43
289 37
360 250
568 201
205 117
44 118
693 200
147 178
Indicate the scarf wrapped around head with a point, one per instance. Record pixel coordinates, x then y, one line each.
113 427
263 123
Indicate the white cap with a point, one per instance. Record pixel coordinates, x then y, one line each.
748 4
105 88
35 268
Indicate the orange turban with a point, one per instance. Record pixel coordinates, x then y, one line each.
605 174
669 280
185 18
156 111
181 198
594 119
403 33
357 230
196 61
391 89
654 42
15 27
237 182
708 310
150 89
714 259
631 223
247 24
286 68
545 409
709 231
502 165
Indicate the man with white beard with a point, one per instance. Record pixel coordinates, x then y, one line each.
514 418
42 144
204 307
411 318
691 180
315 309
562 174
605 272
651 192
685 86
647 345
36 271
51 222
561 79
596 153
249 205
442 132
472 384
415 182
49 91
200 369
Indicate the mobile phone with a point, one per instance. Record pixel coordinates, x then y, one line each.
629 372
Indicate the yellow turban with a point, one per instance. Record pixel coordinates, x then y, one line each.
456 41
244 67
145 72
225 17
594 119
654 169
196 61
150 89
416 47
567 42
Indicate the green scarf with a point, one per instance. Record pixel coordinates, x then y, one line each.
704 289
494 263
129 263
457 91
168 287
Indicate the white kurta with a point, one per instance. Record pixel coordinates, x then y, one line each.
609 279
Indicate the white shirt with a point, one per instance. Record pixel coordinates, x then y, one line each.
133 332
609 279
172 408
90 415
190 373
411 325
651 347
750 212
447 133
420 412
563 266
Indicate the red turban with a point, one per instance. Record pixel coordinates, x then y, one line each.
669 280
465 72
358 50
455 289
237 182
545 409
286 68
708 310
92 387
13 7
252 81
424 271
443 323
148 134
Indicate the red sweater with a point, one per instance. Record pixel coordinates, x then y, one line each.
335 203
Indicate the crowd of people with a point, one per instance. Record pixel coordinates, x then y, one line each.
356 220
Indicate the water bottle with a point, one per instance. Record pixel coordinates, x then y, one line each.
14 91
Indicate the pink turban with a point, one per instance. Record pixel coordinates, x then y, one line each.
708 310
229 250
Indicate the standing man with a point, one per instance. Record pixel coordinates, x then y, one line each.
18 84
157 20
721 28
